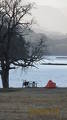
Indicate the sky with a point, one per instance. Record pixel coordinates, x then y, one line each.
53 3
51 15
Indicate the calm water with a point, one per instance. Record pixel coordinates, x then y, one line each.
41 75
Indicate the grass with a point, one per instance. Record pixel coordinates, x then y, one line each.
33 104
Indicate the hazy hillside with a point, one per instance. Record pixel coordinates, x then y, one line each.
56 42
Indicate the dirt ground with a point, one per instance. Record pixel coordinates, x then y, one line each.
33 104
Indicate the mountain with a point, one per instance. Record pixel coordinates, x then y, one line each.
56 42
57 45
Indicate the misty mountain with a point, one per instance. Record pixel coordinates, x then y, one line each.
56 42
57 45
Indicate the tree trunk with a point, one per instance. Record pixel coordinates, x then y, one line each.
5 78
5 75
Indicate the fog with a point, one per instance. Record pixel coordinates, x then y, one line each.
50 15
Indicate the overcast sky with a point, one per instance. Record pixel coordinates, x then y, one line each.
51 15
54 3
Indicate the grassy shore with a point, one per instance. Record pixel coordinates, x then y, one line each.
33 104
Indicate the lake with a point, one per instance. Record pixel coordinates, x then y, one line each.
41 75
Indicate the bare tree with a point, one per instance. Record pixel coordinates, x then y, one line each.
14 50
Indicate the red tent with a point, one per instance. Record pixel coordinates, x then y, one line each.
50 84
